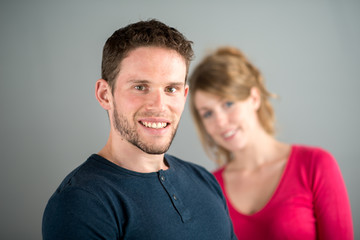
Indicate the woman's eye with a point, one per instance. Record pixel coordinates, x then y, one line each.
140 88
229 103
207 114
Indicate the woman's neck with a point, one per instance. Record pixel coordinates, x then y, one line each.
259 152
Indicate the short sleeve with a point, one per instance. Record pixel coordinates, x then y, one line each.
77 214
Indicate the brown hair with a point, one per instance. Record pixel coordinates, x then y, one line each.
141 34
227 73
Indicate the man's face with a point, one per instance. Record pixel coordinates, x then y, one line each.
149 97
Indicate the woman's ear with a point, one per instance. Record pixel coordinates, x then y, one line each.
255 97
103 94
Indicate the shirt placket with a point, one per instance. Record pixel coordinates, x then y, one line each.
174 196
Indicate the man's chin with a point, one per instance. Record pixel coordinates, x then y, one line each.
155 152
155 146
153 149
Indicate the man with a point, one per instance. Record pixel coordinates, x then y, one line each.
131 189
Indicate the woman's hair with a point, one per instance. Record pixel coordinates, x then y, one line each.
228 73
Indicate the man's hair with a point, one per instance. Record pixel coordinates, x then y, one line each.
141 34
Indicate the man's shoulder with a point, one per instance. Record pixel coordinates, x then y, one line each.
93 176
190 169
78 176
183 163
80 198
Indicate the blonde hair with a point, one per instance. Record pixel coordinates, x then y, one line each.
228 73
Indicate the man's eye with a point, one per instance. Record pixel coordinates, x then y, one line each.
140 88
171 89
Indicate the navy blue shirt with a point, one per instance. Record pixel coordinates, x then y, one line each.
100 200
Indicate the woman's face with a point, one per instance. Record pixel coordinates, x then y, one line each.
231 124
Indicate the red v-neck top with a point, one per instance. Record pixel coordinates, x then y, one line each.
310 202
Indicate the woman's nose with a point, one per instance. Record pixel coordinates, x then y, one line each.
220 119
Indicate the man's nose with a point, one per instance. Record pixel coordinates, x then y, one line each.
156 100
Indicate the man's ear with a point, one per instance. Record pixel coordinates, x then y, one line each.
255 97
103 94
186 90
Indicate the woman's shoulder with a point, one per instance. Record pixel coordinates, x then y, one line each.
218 174
312 156
310 151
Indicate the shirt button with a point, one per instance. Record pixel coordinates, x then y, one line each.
174 197
162 178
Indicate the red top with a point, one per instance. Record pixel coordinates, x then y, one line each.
310 202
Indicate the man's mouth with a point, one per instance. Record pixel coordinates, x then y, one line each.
155 125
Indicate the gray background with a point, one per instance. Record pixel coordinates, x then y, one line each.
50 54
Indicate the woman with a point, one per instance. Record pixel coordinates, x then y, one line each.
274 190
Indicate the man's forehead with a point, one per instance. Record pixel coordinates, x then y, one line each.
154 82
151 49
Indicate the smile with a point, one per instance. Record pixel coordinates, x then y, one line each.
229 133
155 125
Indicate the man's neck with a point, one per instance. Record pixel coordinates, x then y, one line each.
128 156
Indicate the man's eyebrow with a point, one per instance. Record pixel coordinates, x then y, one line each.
138 81
177 83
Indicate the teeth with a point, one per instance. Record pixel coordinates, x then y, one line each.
228 134
154 125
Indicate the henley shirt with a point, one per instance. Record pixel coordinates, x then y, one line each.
101 200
